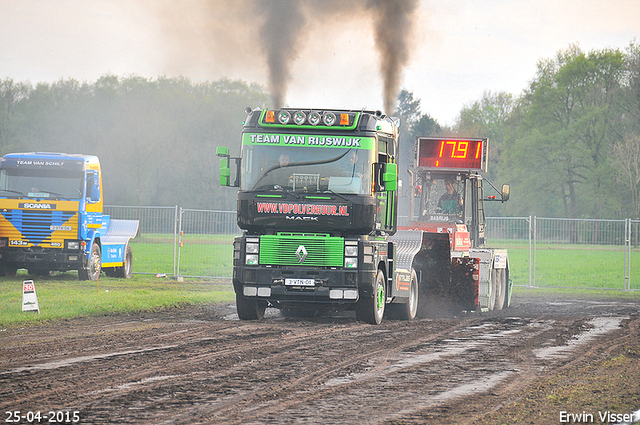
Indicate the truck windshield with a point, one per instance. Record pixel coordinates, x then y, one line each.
41 184
306 169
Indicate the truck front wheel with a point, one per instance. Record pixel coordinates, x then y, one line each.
94 265
8 270
371 310
249 309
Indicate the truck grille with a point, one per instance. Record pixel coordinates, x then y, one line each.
35 226
321 250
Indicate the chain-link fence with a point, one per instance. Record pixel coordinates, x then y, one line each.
155 247
569 253
545 252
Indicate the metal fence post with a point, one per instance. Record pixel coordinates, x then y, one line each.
534 228
179 241
529 285
175 241
627 255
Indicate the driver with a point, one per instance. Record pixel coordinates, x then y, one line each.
450 202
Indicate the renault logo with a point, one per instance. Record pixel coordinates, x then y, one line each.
301 253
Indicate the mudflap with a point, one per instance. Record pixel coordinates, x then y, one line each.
446 285
433 263
464 282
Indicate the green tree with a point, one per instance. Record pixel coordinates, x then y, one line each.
413 124
561 133
156 138
488 117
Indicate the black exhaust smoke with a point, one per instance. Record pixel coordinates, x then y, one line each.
229 32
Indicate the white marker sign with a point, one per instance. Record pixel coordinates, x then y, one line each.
29 297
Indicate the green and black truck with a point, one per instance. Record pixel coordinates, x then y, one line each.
318 206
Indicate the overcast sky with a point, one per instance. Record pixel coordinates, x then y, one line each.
460 48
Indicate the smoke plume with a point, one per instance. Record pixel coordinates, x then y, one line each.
226 35
281 29
393 23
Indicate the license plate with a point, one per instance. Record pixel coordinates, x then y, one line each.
299 282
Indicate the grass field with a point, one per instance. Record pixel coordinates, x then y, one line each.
64 296
200 255
576 266
558 265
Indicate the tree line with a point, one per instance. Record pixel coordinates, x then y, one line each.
569 145
156 138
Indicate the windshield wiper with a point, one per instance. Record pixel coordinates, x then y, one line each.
58 195
288 192
17 192
337 194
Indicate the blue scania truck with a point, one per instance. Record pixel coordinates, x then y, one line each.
51 218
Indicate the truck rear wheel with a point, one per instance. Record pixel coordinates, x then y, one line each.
249 309
94 266
371 310
126 270
501 288
493 287
408 310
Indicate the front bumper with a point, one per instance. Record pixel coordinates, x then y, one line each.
48 259
281 285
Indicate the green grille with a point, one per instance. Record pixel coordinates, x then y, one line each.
322 250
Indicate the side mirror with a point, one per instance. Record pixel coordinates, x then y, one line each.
225 167
225 172
390 177
93 185
505 192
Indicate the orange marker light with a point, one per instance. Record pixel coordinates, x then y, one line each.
344 119
270 117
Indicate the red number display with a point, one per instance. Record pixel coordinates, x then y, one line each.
466 154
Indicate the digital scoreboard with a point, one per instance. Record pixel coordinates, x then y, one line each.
452 153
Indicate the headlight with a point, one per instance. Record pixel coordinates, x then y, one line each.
351 262
329 118
253 248
73 245
284 117
299 117
251 259
314 118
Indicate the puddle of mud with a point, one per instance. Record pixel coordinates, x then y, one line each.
601 325
68 362
451 347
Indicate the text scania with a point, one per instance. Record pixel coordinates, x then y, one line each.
311 209
277 139
32 205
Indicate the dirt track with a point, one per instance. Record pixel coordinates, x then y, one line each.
202 365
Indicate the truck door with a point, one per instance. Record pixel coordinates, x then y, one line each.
477 227
93 191
386 199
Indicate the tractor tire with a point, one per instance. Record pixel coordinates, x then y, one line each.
501 289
